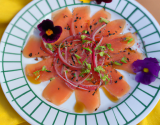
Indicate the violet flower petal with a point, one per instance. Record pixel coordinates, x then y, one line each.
145 78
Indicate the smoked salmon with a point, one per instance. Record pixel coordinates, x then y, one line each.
62 18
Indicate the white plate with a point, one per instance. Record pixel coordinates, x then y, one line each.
26 98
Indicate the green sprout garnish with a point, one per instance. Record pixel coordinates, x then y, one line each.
102 54
124 60
130 40
84 31
52 79
83 37
77 56
44 69
116 63
37 77
84 71
84 41
109 46
103 20
63 54
50 46
87 64
105 77
88 50
98 69
108 55
37 72
100 48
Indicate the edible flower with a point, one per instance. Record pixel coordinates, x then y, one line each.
146 70
86 1
106 1
48 31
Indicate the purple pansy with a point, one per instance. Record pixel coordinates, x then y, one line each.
146 70
48 31
106 1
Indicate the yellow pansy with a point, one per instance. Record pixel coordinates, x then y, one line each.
86 1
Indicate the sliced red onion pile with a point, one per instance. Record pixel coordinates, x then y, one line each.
77 67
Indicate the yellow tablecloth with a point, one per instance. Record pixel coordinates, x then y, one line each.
8 9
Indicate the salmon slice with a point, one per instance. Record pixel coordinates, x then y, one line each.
90 99
33 48
57 92
44 76
112 28
119 42
118 86
131 55
94 21
80 20
62 18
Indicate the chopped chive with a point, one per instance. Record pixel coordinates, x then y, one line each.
52 79
130 40
103 20
108 55
88 50
37 77
83 37
102 54
77 56
50 46
124 59
84 41
84 31
98 69
63 54
116 63
109 46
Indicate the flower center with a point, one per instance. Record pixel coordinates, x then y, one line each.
145 70
49 32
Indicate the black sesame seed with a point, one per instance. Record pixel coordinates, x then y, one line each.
120 78
81 26
76 17
30 55
75 26
75 20
90 26
79 17
58 88
115 81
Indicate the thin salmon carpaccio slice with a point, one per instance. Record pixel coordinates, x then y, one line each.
44 76
94 21
131 55
57 92
114 27
90 99
33 48
118 86
62 18
119 42
80 19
